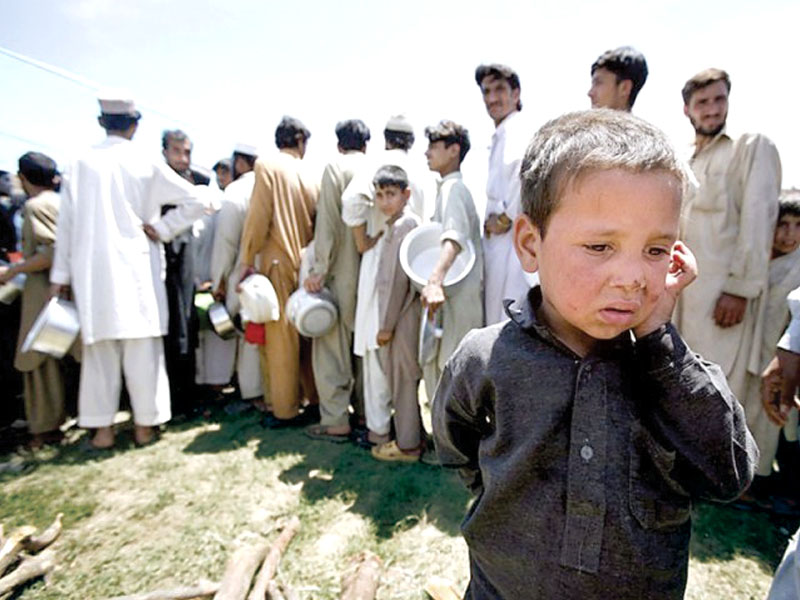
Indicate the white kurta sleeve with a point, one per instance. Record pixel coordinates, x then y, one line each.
170 188
60 269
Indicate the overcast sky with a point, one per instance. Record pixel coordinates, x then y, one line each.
226 71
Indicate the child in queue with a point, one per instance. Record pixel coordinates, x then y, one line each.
584 425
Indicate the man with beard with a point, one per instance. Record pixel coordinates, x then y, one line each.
181 338
729 226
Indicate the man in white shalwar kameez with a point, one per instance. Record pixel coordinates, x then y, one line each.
729 226
108 249
225 265
503 274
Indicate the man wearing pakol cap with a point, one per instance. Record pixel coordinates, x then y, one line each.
108 250
503 274
278 226
335 267
225 267
358 210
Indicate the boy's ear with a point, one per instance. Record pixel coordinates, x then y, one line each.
407 193
527 240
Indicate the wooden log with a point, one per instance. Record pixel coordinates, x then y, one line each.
31 567
35 543
239 572
274 591
13 545
362 578
273 558
203 589
440 588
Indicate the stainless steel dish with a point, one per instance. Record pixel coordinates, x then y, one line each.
419 254
12 288
221 321
313 315
54 330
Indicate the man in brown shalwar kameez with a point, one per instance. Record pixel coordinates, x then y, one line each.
278 226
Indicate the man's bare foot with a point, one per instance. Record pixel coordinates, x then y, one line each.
143 435
103 438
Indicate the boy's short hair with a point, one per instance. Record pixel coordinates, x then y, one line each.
789 204
352 134
289 132
40 170
577 143
450 133
626 63
390 175
498 71
703 79
173 135
398 133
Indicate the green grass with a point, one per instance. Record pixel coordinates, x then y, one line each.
172 513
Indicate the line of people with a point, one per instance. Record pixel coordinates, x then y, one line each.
135 240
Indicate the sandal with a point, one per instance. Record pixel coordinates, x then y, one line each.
391 452
320 432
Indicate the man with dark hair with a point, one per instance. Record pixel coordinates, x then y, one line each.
45 408
335 266
223 169
182 338
617 78
352 134
729 226
107 250
278 226
225 266
461 308
503 277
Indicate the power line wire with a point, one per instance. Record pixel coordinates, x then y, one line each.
76 79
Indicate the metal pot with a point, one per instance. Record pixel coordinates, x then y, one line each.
221 321
419 254
313 315
54 330
12 288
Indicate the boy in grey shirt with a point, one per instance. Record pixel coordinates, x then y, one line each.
584 425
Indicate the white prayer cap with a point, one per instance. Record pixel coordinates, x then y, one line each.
399 123
246 149
117 102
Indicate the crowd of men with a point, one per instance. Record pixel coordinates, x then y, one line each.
134 242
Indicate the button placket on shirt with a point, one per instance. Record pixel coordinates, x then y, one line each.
586 503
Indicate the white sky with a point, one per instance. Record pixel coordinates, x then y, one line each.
227 70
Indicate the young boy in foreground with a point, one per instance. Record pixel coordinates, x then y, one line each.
585 426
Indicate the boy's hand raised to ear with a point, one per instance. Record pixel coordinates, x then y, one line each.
682 272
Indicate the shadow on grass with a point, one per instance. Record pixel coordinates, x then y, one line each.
392 495
722 532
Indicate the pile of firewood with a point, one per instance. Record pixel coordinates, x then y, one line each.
244 580
24 555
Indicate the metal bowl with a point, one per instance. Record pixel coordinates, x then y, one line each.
313 315
12 288
221 321
54 330
419 254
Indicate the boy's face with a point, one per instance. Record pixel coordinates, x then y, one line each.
441 157
787 235
391 199
608 92
604 259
